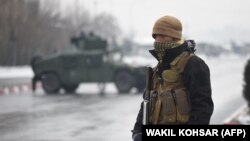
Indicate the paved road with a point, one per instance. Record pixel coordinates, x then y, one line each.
79 117
85 117
90 117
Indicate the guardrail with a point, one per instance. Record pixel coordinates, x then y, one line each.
239 117
15 85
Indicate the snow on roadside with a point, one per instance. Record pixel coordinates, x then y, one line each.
140 61
16 72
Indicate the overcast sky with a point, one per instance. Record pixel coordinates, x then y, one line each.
212 20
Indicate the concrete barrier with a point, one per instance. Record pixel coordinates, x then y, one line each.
16 86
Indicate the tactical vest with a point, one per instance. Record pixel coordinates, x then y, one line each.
169 98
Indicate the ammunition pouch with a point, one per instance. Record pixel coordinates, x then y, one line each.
183 105
171 108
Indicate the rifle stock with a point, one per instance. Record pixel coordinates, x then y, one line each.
146 101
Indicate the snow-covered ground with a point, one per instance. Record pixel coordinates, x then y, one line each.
225 71
226 80
227 84
15 72
226 77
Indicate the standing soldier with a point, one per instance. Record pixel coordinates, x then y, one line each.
180 90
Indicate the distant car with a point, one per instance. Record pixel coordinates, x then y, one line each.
89 62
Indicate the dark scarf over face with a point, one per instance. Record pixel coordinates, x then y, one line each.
171 53
161 48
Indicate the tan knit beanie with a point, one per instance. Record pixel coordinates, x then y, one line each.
169 26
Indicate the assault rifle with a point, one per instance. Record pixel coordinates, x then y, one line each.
146 101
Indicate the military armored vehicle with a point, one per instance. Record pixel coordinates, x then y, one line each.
90 61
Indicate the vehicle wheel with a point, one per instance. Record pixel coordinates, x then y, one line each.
140 84
70 88
140 87
51 83
124 81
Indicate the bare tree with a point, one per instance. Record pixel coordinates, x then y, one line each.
105 25
25 31
9 14
36 27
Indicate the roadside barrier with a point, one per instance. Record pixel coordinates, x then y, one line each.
25 88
